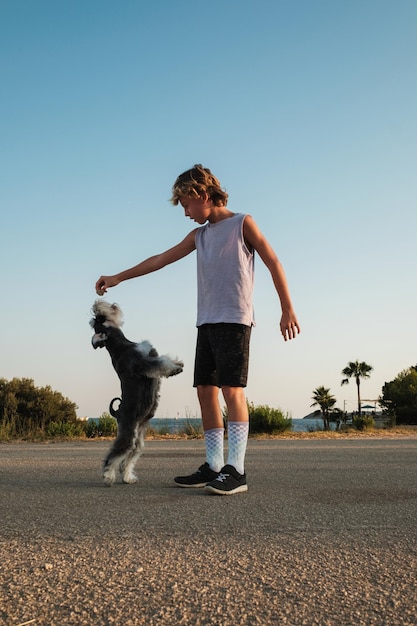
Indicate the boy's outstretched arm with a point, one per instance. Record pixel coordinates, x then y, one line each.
289 324
152 264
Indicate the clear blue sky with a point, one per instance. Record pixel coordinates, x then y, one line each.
305 110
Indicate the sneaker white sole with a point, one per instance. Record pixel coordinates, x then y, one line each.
220 492
197 486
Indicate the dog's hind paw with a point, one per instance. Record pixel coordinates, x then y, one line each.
109 476
130 479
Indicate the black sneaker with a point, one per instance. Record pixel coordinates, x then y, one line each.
200 478
228 482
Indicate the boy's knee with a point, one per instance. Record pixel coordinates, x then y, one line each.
231 394
207 394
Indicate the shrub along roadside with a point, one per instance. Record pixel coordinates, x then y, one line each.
70 430
104 426
264 420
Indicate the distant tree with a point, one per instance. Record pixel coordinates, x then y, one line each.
357 370
323 398
26 409
399 397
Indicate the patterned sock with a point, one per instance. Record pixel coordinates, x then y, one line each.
238 438
214 439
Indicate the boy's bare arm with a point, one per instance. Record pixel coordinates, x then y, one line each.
152 264
289 324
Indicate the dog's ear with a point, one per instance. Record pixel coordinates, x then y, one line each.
116 314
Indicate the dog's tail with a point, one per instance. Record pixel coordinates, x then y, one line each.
114 413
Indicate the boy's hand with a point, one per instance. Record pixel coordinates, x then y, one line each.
289 326
104 283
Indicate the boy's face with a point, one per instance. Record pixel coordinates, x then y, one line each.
197 209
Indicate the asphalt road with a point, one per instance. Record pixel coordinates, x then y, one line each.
326 535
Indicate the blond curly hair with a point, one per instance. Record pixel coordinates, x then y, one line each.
197 181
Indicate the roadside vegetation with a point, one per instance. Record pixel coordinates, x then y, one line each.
35 413
265 420
398 401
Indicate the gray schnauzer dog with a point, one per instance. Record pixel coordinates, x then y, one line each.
140 369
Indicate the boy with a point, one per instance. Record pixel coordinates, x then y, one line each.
225 243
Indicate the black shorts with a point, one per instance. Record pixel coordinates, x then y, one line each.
222 355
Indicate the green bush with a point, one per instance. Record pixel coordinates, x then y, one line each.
105 426
65 429
363 422
28 411
264 419
91 428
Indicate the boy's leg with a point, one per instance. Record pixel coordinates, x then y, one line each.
232 477
237 426
208 397
232 363
212 424
222 358
237 406
214 439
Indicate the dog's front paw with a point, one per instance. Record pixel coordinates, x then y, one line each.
177 368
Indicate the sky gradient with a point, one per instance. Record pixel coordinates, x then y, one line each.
305 111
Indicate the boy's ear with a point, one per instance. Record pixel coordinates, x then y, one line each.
205 197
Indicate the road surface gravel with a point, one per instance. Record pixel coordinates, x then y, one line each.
326 535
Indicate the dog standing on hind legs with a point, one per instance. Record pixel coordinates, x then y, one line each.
140 370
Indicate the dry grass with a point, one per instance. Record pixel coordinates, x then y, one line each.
397 432
376 433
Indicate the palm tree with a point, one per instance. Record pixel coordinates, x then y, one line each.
357 371
325 401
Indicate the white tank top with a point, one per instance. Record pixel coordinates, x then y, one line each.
225 273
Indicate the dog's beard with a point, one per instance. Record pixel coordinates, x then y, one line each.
99 340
